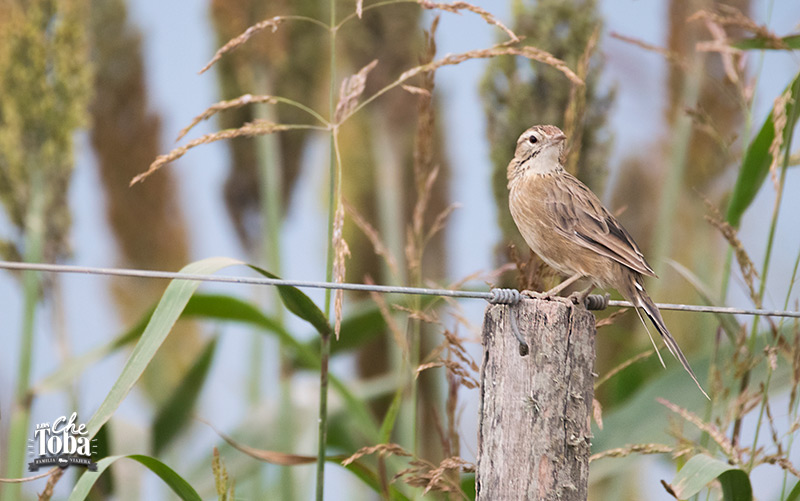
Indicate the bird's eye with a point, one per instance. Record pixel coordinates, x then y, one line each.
533 140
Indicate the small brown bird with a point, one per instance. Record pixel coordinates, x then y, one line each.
568 227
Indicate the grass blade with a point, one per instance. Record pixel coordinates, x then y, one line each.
761 43
164 317
701 470
175 482
301 305
172 417
755 164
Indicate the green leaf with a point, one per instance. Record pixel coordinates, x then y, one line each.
300 304
174 414
794 495
175 482
164 317
791 42
468 485
391 416
358 328
220 307
757 159
701 470
203 306
104 487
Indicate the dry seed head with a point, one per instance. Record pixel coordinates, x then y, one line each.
225 105
341 251
671 56
456 6
724 443
746 265
633 449
244 37
254 128
382 450
373 236
352 88
779 121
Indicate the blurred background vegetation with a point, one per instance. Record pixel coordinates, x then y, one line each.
712 123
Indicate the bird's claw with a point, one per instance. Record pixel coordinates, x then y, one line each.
577 298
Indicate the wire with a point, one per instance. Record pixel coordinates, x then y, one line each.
386 289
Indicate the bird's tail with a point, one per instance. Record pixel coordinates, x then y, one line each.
643 301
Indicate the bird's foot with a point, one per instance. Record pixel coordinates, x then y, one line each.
577 298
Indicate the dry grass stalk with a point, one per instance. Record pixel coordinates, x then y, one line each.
772 429
464 369
724 443
795 357
397 333
250 129
415 239
413 89
436 478
597 413
498 50
633 449
731 56
779 121
372 235
440 220
624 365
784 463
225 105
456 6
426 316
383 450
729 16
730 234
670 56
47 493
341 252
244 37
703 122
609 320
274 457
465 378
531 272
352 88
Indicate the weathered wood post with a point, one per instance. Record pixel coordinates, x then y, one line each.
534 435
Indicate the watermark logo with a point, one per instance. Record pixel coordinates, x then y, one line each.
61 443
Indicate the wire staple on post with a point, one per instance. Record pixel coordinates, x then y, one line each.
511 297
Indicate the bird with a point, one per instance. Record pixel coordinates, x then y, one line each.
568 227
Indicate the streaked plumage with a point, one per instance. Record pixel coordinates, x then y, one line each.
568 227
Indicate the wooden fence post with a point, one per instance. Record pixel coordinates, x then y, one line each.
534 437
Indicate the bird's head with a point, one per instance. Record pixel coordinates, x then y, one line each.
539 150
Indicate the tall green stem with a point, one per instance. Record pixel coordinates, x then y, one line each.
670 194
20 417
271 179
325 349
765 269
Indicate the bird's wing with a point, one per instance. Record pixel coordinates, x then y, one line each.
582 218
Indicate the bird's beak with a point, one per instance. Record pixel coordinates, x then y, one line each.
559 138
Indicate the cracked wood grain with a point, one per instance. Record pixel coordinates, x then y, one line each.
534 435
